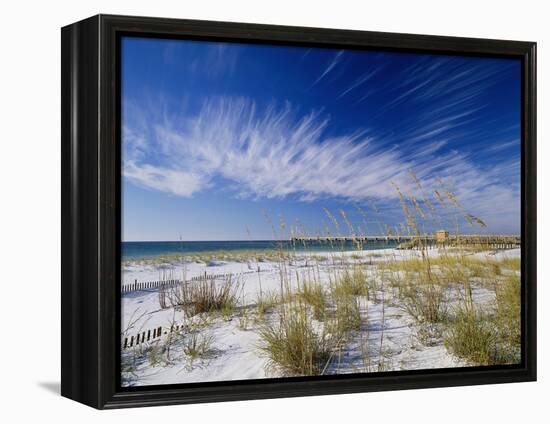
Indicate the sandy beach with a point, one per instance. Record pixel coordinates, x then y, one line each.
387 338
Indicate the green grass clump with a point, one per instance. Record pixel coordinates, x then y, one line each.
426 302
206 295
314 295
266 302
452 268
508 318
513 264
413 265
293 345
154 355
196 345
351 283
346 317
471 336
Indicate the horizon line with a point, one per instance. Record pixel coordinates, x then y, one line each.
305 237
187 241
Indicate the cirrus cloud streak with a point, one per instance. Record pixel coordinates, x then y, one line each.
276 153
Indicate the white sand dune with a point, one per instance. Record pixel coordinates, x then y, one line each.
235 354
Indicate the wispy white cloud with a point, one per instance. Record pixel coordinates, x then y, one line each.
211 59
448 84
168 180
335 60
360 81
306 54
274 153
503 146
269 155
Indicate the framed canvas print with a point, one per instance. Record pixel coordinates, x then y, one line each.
254 211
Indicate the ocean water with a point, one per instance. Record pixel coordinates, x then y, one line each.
150 249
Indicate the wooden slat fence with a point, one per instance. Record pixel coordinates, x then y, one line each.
145 336
150 285
149 335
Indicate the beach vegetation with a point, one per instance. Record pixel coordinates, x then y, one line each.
204 295
266 301
294 345
314 295
351 282
471 336
315 306
197 344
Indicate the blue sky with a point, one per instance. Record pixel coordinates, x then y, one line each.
222 140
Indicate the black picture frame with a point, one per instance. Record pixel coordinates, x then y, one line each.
91 218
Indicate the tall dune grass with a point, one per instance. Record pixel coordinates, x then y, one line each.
203 295
293 345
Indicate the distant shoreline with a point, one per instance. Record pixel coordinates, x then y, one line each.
173 250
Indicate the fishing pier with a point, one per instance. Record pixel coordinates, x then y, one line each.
438 239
